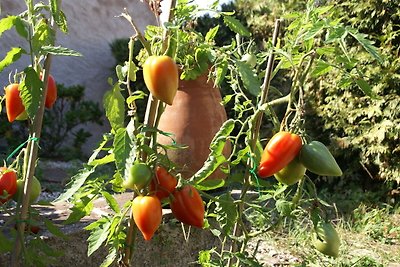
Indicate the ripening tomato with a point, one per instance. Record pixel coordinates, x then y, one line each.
51 95
139 177
14 105
163 183
147 214
281 149
316 157
325 239
188 207
35 190
291 173
8 184
161 77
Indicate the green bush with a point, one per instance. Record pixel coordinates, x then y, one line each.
362 131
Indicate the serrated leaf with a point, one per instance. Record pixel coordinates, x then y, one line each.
54 229
220 70
227 212
314 30
13 55
366 43
97 237
82 207
211 34
365 87
20 28
44 36
60 51
249 78
111 257
75 184
102 161
122 148
236 26
321 68
114 105
58 16
112 202
31 91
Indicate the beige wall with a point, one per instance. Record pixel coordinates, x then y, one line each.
93 25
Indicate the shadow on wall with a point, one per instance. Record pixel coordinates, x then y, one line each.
93 25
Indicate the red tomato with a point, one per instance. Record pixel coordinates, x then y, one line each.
147 213
188 207
14 105
51 95
161 77
281 149
163 184
8 184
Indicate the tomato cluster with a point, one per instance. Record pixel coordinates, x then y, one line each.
185 202
14 105
287 159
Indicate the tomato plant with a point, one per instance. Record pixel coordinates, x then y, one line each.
139 177
291 173
8 184
325 239
188 207
281 149
316 157
161 77
14 105
35 191
163 184
147 213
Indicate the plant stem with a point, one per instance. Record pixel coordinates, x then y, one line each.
30 170
255 134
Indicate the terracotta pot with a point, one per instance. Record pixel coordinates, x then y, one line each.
194 118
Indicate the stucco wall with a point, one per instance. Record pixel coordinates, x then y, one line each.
93 25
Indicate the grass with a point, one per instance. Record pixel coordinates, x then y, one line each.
369 229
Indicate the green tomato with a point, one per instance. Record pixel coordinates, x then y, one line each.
139 177
250 59
316 157
325 239
35 190
292 173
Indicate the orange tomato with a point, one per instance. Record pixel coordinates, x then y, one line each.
161 77
147 214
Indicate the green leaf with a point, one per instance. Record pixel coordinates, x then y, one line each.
220 70
210 184
13 55
366 43
122 148
82 207
7 23
236 26
75 184
54 229
365 87
112 202
249 78
60 51
211 34
44 36
114 105
102 161
314 30
58 16
31 88
111 257
98 235
321 68
226 211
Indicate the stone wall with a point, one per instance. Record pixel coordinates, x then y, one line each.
93 25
